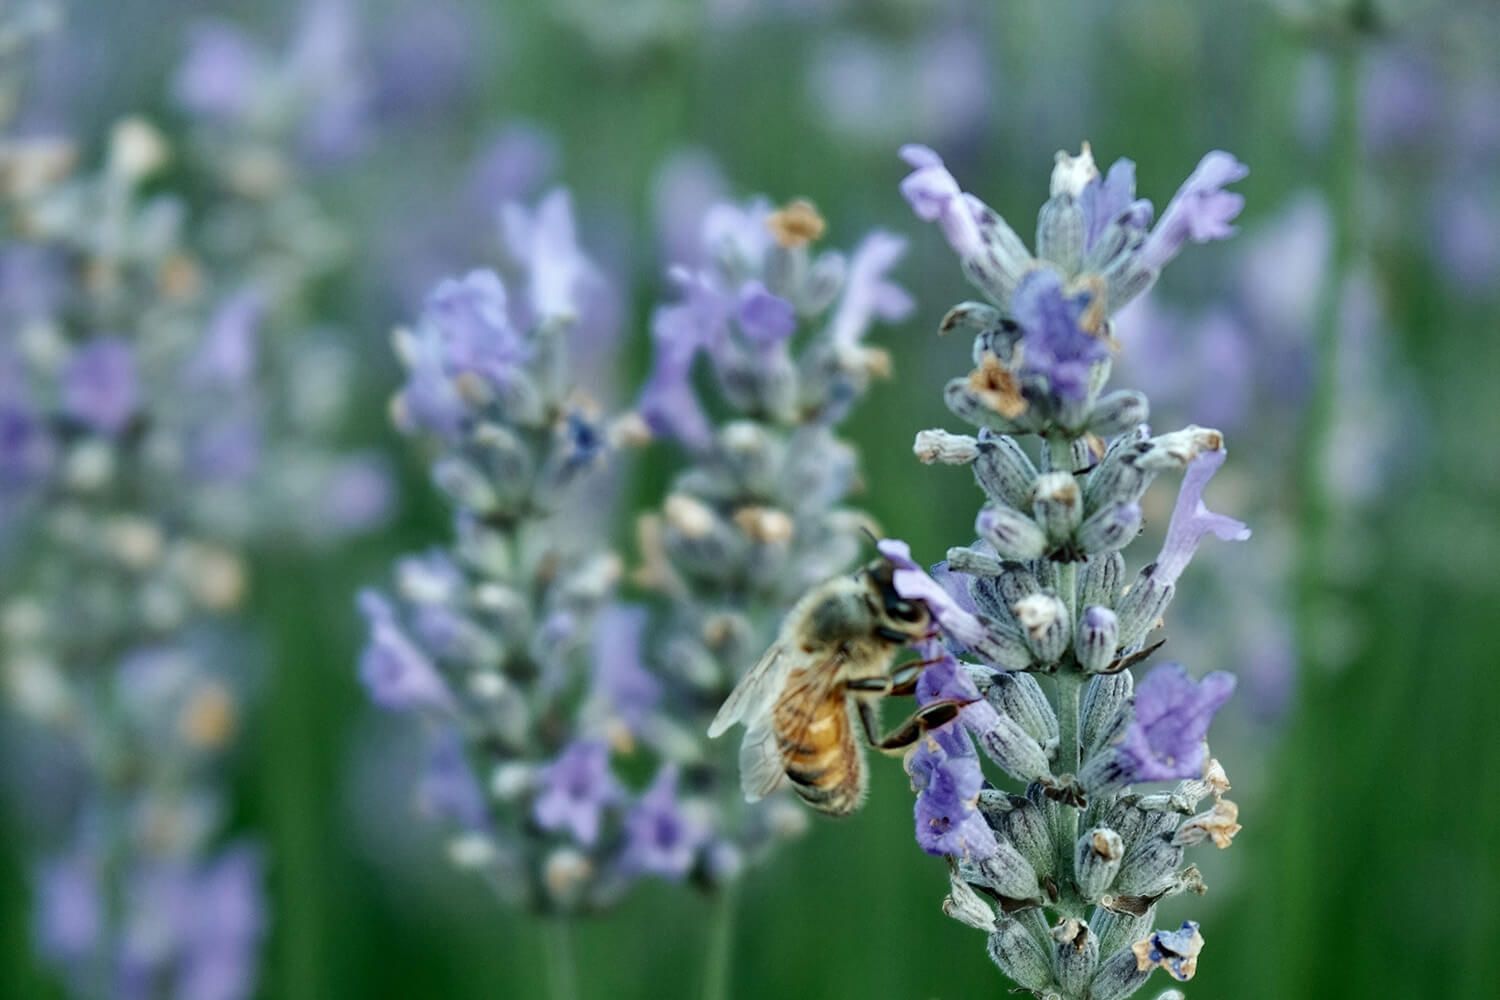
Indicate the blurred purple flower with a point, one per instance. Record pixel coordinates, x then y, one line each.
1192 521
1170 720
359 496
545 242
576 789
447 790
326 63
226 449
69 911
660 837
423 58
868 295
33 282
220 72
27 450
764 318
396 673
621 680
512 166
683 189
227 354
1400 99
101 385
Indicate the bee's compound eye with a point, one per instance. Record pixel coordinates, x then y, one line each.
905 611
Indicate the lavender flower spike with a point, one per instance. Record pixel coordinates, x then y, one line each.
1041 609
1192 521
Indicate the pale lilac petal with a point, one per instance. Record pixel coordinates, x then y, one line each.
1192 521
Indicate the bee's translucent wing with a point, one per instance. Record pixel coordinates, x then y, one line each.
761 766
763 762
754 695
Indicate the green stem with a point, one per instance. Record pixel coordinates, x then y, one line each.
719 953
562 971
1069 681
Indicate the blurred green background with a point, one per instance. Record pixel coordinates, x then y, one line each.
1368 864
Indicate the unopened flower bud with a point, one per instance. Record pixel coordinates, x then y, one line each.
967 906
1103 576
1117 978
1016 751
970 318
1101 711
1060 231
1019 954
1010 533
1096 861
1110 528
1020 698
1044 621
1177 449
1097 639
1150 866
465 485
1117 479
1141 607
1028 826
1075 955
1057 505
1119 412
973 562
1118 930
1001 409
1003 470
940 447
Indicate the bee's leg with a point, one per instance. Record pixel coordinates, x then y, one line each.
904 678
927 717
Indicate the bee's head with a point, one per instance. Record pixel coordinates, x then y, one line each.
900 619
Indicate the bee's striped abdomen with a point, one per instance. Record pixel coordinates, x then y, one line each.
823 761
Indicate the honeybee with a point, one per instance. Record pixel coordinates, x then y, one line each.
831 662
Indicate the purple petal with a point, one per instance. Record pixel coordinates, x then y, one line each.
1055 345
101 385
576 788
1200 211
765 318
1192 520
1172 713
396 673
868 295
934 195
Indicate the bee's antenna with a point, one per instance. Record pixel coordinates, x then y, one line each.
874 542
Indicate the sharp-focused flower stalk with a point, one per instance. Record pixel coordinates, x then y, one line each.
1065 873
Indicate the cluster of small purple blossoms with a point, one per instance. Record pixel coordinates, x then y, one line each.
508 641
156 421
1065 873
759 513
